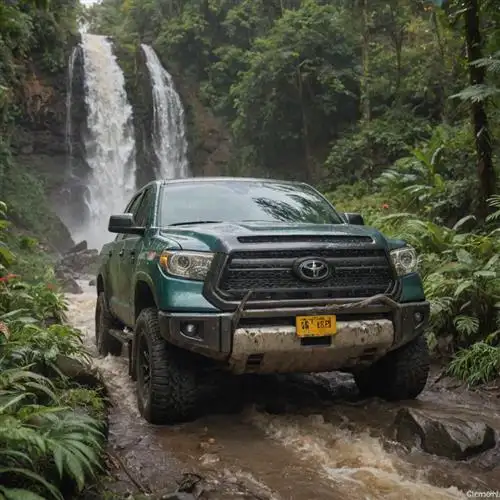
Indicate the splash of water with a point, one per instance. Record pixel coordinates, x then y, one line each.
169 133
110 145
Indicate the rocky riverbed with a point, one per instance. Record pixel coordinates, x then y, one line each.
301 437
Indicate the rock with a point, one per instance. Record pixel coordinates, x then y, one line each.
84 261
79 247
178 496
51 320
92 282
80 371
446 436
209 459
67 281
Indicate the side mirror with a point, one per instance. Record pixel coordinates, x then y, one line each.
124 224
355 219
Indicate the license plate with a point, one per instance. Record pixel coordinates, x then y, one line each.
316 326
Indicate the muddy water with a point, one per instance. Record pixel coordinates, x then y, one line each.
292 438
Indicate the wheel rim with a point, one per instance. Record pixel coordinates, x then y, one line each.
144 371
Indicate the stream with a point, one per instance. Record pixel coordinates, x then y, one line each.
289 437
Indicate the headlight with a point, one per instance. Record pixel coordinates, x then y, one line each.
405 260
189 265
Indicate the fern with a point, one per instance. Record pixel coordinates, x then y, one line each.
43 440
44 433
494 202
477 93
478 364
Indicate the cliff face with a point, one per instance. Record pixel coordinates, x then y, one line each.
40 150
208 141
210 147
138 87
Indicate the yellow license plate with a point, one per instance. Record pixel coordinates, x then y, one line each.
316 326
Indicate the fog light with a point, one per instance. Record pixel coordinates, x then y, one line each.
190 329
418 317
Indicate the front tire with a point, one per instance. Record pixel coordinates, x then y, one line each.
104 322
400 375
168 391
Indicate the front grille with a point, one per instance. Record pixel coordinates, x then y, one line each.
357 273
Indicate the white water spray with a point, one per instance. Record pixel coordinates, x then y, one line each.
110 145
169 132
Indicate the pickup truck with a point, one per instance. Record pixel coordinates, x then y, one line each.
211 277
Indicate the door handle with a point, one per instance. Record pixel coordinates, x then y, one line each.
121 252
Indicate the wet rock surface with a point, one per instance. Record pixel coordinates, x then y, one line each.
80 262
80 371
452 437
67 280
77 262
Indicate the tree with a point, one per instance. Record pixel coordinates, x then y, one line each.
477 94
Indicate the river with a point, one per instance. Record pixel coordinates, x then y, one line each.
289 438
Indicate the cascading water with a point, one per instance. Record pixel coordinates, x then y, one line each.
110 145
169 133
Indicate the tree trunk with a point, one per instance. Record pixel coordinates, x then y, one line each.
365 80
305 128
485 170
398 44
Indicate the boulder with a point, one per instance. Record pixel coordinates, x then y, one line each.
67 280
92 282
447 436
79 247
84 261
80 371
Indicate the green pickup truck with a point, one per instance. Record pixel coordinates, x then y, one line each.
210 277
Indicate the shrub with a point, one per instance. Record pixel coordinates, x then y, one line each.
50 429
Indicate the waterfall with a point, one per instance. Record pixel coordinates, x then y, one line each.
169 132
110 145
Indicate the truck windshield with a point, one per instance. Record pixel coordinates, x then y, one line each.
238 201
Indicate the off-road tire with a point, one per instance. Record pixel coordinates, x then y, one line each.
400 375
104 321
175 391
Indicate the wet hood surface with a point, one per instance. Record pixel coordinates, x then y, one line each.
225 236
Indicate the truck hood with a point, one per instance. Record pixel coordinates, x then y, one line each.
226 236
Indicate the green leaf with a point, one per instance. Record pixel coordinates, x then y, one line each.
19 494
463 221
55 493
477 93
485 274
462 287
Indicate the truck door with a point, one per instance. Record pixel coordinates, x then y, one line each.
118 265
134 245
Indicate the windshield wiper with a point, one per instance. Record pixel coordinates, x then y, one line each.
196 222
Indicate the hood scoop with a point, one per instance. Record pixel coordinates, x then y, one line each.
303 238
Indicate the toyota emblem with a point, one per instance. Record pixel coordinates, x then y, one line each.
312 269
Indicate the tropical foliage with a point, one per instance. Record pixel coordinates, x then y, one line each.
35 36
51 430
